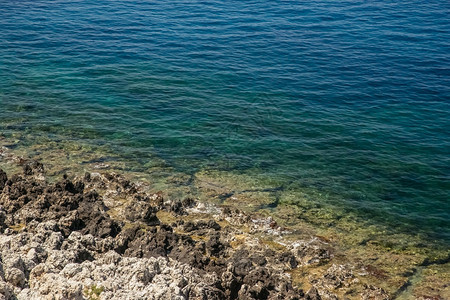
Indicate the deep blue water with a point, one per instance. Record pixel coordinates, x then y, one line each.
350 98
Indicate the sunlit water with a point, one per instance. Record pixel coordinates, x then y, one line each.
347 98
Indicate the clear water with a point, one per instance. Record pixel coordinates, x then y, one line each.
348 98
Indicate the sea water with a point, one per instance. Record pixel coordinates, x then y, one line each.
346 100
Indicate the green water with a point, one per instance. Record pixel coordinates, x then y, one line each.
338 108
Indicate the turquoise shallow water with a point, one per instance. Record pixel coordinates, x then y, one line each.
349 98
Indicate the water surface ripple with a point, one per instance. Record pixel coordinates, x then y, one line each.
350 98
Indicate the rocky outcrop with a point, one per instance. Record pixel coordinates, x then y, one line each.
101 237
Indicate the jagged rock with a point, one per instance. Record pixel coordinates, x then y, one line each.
312 294
33 167
373 292
6 291
16 277
58 241
141 211
3 179
311 252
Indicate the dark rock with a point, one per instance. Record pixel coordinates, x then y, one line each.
258 260
69 186
311 254
258 275
231 285
3 225
141 211
177 207
188 202
259 291
33 167
82 256
101 226
214 246
87 177
156 244
3 179
189 226
126 235
242 267
313 294
211 224
191 256
289 259
226 211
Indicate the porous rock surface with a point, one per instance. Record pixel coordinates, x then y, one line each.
75 239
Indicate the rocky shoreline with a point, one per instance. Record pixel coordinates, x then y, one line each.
101 237
108 234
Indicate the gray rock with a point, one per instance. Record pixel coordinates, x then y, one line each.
16 277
